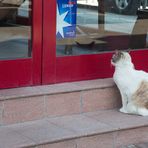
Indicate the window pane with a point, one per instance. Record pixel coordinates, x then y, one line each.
15 29
96 26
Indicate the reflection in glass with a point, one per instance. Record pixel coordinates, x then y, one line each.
15 29
100 26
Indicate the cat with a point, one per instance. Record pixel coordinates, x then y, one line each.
132 84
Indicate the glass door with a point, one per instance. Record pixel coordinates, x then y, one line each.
20 42
81 35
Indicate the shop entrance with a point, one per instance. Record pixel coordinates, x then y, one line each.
46 42
20 42
79 37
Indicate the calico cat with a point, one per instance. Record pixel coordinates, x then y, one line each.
132 84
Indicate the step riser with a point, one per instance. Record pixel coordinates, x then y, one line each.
117 139
38 107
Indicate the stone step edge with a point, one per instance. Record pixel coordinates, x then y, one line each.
83 136
74 135
60 88
27 104
139 145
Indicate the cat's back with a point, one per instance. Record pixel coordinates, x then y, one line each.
130 74
140 97
140 74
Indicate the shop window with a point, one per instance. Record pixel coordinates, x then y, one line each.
15 29
96 26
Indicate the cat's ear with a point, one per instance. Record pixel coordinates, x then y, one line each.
116 51
128 50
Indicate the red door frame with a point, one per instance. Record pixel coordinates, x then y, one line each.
74 68
24 72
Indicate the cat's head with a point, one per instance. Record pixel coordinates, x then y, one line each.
121 58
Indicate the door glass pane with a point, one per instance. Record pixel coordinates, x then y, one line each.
96 26
15 29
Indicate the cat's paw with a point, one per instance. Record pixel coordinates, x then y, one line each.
123 110
143 111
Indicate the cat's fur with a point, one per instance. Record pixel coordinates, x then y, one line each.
132 83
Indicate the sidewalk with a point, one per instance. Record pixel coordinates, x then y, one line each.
88 2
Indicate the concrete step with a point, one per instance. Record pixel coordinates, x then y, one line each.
33 103
139 145
99 129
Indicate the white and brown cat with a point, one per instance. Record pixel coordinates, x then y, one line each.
132 84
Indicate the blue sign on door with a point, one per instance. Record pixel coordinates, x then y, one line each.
66 18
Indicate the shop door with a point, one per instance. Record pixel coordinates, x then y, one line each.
80 36
20 42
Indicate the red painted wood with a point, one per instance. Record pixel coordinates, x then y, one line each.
24 72
87 67
37 41
15 73
49 42
140 59
83 67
